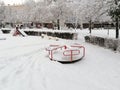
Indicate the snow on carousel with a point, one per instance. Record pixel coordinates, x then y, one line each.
66 53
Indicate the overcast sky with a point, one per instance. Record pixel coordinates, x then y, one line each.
14 1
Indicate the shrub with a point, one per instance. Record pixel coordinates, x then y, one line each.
113 44
87 38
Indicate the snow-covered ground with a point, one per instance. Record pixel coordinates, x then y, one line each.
24 65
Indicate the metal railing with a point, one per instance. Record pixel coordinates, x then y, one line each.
67 51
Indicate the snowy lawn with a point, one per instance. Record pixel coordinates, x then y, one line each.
24 65
107 33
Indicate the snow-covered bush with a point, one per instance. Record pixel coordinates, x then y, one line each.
109 43
95 40
63 35
87 38
99 41
118 48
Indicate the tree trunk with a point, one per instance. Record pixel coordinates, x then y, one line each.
90 26
58 24
117 27
117 22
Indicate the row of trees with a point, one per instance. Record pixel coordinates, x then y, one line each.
61 11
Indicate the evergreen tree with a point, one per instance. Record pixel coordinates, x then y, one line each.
114 12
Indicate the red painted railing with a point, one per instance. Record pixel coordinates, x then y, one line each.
71 53
50 51
68 52
78 46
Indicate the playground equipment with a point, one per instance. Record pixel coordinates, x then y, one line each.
19 32
66 54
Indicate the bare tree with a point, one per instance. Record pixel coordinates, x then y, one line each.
93 10
60 12
2 11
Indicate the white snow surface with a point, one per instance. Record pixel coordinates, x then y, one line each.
24 65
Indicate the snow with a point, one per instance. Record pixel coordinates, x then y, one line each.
106 33
24 65
49 30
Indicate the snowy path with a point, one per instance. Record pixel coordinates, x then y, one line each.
26 67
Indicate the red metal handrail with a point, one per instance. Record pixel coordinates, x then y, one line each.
79 46
71 53
50 51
